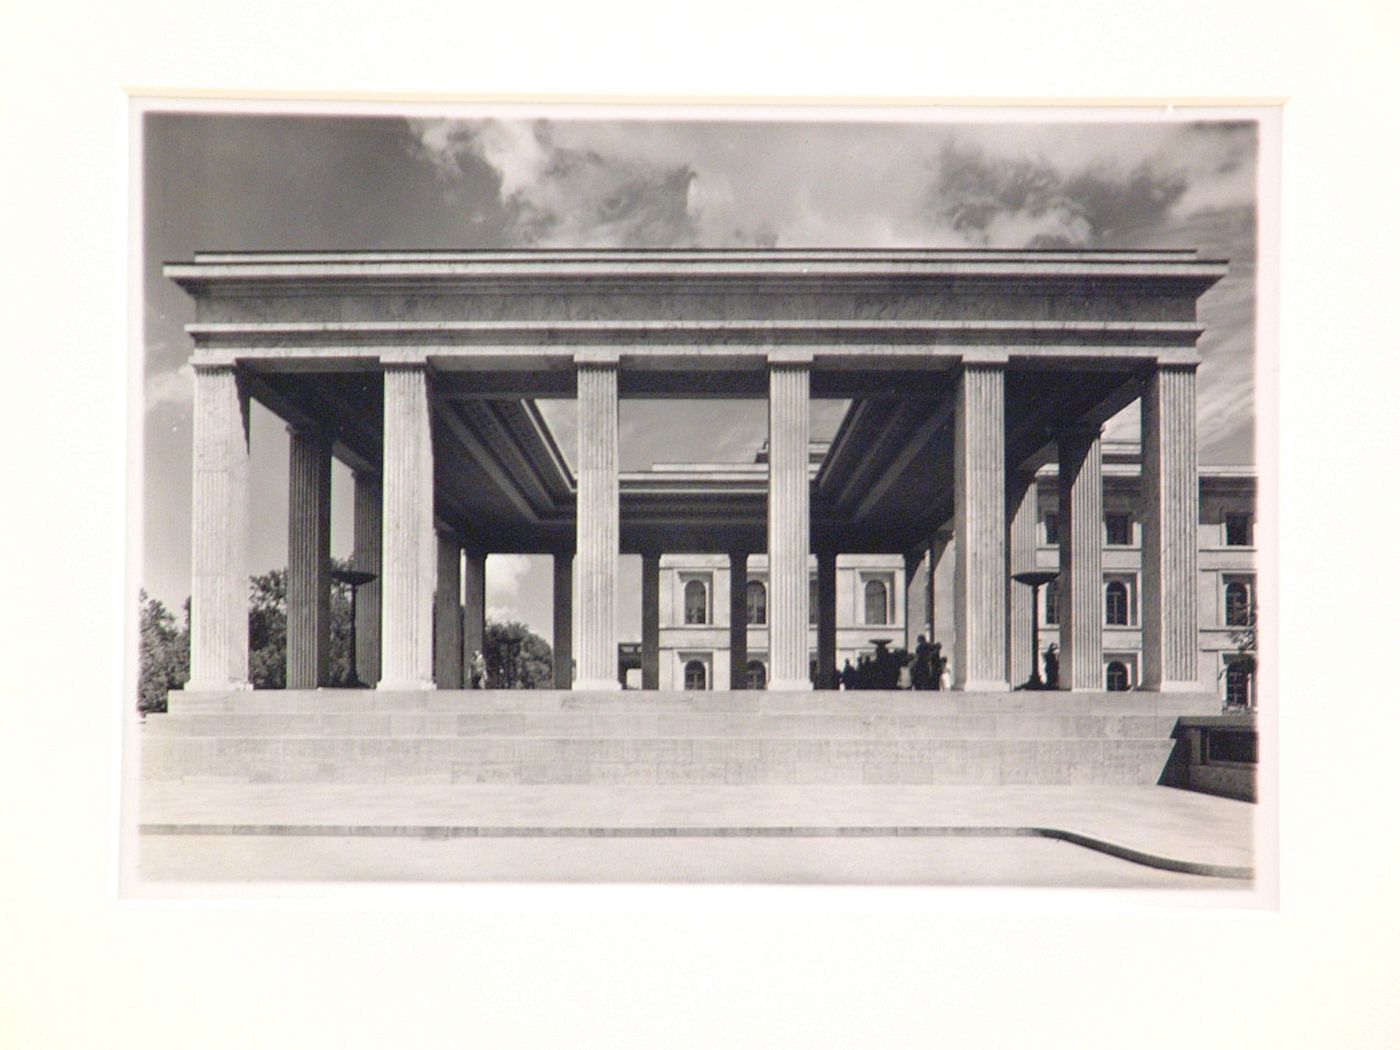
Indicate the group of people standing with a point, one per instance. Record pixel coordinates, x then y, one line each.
925 668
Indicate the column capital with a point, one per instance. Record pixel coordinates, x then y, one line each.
415 360
205 363
1184 358
307 429
988 357
596 358
790 358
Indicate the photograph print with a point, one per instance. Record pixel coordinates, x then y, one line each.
732 495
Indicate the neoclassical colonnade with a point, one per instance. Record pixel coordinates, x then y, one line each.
998 414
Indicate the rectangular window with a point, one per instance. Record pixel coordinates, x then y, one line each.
1119 528
1120 600
1052 529
1238 530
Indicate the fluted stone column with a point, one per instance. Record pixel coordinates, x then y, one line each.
1020 557
563 619
410 546
979 522
1081 559
219 591
826 619
789 521
651 620
597 522
916 596
738 619
309 559
447 619
473 608
1170 496
369 541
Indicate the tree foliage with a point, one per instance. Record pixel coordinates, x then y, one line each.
1245 637
164 657
267 630
516 657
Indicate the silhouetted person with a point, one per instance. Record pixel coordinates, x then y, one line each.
935 665
1052 667
889 670
921 673
847 678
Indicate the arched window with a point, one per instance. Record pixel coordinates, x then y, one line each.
1236 604
1116 604
756 599
694 675
696 607
1117 676
1052 603
755 675
877 602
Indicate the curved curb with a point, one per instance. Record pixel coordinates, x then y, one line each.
456 831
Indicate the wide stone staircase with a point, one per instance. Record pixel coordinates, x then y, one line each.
639 738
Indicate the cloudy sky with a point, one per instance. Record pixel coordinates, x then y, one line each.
258 182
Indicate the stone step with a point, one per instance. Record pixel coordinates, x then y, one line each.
714 760
350 701
663 724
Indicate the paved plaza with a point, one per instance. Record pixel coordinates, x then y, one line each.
1069 836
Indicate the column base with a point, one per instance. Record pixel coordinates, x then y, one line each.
597 685
990 685
211 685
412 685
791 685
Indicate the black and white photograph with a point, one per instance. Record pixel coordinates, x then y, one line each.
734 496
742 526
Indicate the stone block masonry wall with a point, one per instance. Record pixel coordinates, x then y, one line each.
665 737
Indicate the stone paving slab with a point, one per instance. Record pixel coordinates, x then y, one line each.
1161 827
